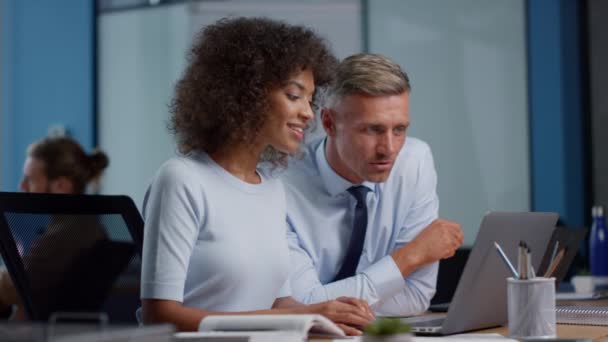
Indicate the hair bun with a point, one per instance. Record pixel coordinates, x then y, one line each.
98 161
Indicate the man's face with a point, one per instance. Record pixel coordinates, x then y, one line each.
365 135
34 179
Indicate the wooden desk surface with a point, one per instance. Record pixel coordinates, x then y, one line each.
595 333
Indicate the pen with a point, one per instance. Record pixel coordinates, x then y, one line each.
523 262
506 260
531 273
555 262
519 258
554 252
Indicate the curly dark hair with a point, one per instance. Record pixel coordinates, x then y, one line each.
234 63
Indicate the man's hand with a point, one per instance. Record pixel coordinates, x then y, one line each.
439 240
350 314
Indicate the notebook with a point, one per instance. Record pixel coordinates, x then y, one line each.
572 296
582 315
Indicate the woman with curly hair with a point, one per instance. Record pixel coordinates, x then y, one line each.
215 230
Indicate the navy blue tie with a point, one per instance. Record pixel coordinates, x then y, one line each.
355 247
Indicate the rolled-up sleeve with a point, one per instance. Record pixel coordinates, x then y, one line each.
419 286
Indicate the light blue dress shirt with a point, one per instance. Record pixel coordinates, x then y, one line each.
320 219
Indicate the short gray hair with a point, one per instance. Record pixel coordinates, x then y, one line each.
368 74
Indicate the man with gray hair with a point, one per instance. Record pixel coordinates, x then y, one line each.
362 205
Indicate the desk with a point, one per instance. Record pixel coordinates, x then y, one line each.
595 333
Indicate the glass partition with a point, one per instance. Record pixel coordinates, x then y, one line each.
142 54
466 60
467 64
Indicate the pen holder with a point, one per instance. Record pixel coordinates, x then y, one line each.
531 307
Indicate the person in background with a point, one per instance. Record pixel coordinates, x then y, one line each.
59 165
55 165
214 237
361 202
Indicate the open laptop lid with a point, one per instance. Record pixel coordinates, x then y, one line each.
569 239
480 300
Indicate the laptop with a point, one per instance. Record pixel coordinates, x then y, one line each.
480 300
567 238
564 238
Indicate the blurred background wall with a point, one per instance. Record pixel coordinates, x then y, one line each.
597 78
48 77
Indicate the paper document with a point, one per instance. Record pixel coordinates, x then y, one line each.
253 328
242 336
581 295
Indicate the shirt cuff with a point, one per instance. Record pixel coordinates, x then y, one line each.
385 277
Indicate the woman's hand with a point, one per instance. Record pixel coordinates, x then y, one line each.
360 303
350 314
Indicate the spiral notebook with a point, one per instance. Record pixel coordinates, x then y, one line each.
582 315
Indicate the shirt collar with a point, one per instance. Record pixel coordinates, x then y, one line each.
333 182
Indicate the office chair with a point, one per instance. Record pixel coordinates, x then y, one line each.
72 253
85 288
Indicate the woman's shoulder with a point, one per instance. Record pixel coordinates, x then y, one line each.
182 168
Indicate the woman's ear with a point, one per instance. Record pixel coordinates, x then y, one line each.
329 121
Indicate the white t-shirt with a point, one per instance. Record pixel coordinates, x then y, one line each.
213 241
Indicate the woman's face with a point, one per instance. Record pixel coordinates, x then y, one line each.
289 112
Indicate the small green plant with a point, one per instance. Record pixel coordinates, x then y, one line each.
387 326
584 272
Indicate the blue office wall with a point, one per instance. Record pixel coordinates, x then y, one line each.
558 156
4 90
48 76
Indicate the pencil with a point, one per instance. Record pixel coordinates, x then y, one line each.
506 260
